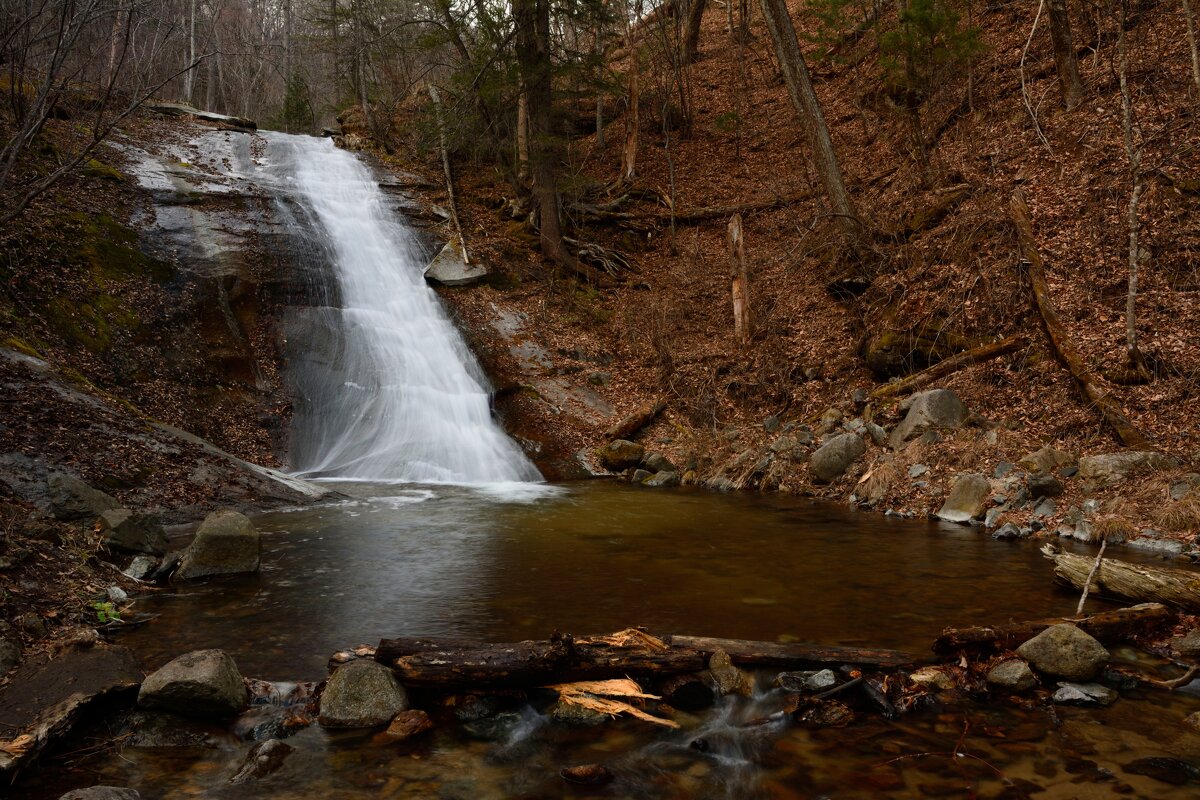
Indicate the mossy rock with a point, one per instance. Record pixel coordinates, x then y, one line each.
92 323
111 250
100 170
21 346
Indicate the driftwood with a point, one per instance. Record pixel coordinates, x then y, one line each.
1178 588
639 419
451 663
948 366
1060 340
1107 626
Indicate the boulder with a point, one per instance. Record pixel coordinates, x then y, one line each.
140 568
831 459
226 543
71 499
1064 651
620 455
1013 675
102 793
1084 694
938 408
657 462
449 268
203 683
1043 485
1009 531
128 532
1112 468
663 479
640 476
361 694
877 434
968 498
1046 460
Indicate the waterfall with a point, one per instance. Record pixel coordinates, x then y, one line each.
389 390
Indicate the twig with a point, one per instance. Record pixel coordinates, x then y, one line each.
1087 585
1024 90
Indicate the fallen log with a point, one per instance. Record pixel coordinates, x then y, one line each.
1060 341
1107 626
628 426
1178 588
690 216
452 663
948 366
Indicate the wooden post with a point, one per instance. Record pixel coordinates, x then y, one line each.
740 281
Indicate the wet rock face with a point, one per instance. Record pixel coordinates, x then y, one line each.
128 532
226 543
1064 651
361 694
204 683
939 408
833 458
71 499
102 793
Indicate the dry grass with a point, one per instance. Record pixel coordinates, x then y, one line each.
1111 529
1181 516
877 483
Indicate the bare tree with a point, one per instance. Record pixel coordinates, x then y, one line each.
1191 34
691 35
808 107
1064 54
1137 180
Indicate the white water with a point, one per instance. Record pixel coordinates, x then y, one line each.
399 395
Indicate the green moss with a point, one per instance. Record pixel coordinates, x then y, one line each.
98 169
21 346
91 324
111 250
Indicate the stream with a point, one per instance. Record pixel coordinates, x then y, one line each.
507 563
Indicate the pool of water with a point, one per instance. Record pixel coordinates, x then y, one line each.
506 564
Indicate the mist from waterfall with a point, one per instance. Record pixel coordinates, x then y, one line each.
389 390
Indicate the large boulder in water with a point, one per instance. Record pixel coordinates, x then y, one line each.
361 694
621 455
1065 651
968 498
226 543
71 499
204 683
938 408
834 457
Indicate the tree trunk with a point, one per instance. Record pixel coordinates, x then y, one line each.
189 77
1133 154
1064 54
804 98
1108 626
629 152
739 282
630 425
522 137
1060 342
532 19
457 663
691 34
1178 588
1191 35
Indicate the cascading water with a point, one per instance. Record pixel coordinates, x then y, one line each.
394 393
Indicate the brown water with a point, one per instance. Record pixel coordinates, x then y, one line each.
599 557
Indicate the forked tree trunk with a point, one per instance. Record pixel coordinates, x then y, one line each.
804 98
1064 53
739 281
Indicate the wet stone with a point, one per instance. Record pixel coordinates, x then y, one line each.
663 479
1165 770
586 775
10 655
641 476
729 679
140 568
263 759
807 680
1084 694
361 694
102 793
155 729
501 726
1064 651
1013 675
204 683
408 724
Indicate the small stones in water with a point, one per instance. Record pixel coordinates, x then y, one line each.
641 475
663 479
263 759
141 567
729 679
408 724
102 793
586 775
932 678
1084 694
825 714
116 595
1009 531
1166 770
806 680
1013 675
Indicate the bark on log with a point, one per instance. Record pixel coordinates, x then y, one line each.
948 366
1107 626
1060 340
639 419
450 663
1178 588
